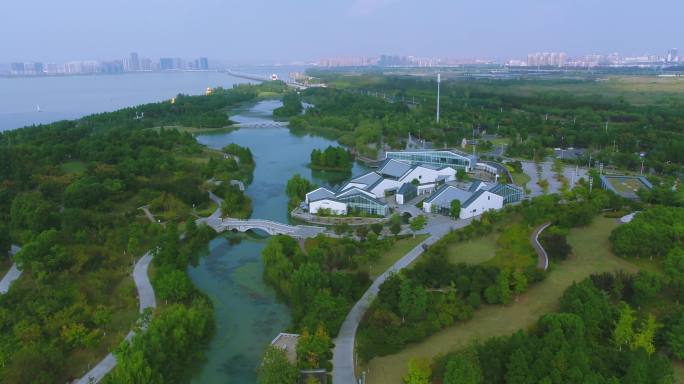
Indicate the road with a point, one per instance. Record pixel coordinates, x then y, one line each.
11 275
146 299
343 353
542 257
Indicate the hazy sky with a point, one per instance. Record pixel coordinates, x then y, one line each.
267 30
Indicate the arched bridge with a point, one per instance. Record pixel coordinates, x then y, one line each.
268 226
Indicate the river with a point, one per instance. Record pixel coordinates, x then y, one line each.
248 314
39 100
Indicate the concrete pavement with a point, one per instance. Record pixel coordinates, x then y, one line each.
542 257
344 351
11 275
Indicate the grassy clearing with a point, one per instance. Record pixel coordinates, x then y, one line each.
521 178
591 254
387 259
513 248
473 251
679 371
72 167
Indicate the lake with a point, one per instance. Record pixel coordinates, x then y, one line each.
72 97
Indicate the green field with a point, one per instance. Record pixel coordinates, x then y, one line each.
591 254
521 178
473 251
387 259
679 371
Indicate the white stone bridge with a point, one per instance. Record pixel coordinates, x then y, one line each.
268 226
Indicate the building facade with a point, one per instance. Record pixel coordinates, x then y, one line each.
435 158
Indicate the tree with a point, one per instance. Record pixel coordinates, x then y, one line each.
519 281
362 232
5 240
395 224
675 336
418 223
461 175
504 286
646 286
463 368
455 209
674 267
276 369
172 284
623 334
419 372
312 349
644 338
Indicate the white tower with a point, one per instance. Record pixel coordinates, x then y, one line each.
438 81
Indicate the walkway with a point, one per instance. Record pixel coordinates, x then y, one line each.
542 257
11 275
147 300
343 353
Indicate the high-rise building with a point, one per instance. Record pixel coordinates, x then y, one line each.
672 55
134 62
203 63
38 68
145 64
17 68
166 64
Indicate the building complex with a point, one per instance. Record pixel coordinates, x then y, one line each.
407 175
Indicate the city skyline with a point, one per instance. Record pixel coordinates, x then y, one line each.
244 32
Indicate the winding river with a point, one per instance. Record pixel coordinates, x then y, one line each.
248 314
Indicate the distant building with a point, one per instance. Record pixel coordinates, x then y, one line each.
38 68
672 55
133 62
17 68
203 63
146 65
116 66
166 64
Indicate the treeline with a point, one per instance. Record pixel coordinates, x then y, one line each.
332 158
532 115
69 195
597 337
292 106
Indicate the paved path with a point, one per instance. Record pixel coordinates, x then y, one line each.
150 215
542 257
147 300
343 353
12 274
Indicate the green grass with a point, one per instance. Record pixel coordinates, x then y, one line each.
591 254
513 248
521 178
71 167
678 371
473 251
387 259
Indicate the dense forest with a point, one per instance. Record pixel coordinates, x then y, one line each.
70 194
332 159
366 112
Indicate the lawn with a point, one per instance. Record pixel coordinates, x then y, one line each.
521 178
591 254
387 259
679 371
473 251
513 248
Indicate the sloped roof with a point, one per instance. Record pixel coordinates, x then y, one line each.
368 178
406 188
444 195
472 198
319 194
394 168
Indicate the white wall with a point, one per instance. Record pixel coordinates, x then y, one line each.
379 190
485 202
335 207
428 175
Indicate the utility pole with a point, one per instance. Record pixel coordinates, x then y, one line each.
439 78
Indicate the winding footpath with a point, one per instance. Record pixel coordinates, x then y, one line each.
542 257
147 300
11 275
343 353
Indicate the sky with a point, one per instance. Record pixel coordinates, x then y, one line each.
256 31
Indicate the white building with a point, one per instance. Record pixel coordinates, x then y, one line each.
474 202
